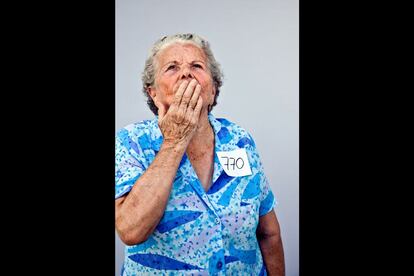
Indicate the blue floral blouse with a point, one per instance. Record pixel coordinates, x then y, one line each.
201 233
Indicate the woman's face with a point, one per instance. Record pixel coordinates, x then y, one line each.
176 63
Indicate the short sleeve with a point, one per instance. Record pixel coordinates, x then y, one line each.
268 200
266 196
128 166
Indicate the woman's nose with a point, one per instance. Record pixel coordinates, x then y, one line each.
186 73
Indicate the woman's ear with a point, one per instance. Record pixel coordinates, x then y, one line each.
214 93
152 93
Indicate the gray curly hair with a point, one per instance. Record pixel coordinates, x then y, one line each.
148 76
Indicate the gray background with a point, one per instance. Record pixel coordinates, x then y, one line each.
257 45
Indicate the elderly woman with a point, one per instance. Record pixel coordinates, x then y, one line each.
191 194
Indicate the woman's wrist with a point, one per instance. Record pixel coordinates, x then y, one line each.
177 146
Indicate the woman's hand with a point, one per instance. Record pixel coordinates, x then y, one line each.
179 122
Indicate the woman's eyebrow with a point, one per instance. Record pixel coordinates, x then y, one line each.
170 62
178 63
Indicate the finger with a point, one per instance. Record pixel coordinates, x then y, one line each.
194 98
182 109
177 85
179 94
189 114
197 109
187 94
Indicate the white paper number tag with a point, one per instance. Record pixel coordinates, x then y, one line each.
235 163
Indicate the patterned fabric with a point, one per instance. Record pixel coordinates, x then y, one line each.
201 233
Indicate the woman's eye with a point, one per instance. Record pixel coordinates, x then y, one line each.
198 66
170 67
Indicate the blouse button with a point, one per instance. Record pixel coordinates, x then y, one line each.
219 265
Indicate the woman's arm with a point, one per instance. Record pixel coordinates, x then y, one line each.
270 241
138 213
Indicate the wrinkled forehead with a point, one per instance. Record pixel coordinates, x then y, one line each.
180 51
